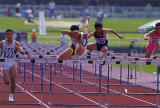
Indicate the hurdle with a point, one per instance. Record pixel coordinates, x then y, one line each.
73 74
137 62
67 104
73 80
140 61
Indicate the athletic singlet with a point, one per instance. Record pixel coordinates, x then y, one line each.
8 51
100 38
153 40
82 40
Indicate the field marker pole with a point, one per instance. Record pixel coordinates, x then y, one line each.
42 23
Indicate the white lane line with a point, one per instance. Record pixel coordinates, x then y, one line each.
70 91
31 95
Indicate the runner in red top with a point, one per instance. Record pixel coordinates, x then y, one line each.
153 43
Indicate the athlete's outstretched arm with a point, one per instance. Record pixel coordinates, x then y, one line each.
90 35
114 32
19 48
86 25
71 34
147 35
1 44
65 32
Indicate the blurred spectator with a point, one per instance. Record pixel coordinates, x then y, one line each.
23 37
100 17
15 36
18 7
29 16
63 40
85 15
81 12
86 11
8 12
51 9
34 36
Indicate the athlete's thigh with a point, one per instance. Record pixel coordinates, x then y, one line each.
148 54
92 46
6 75
80 50
66 54
104 49
13 70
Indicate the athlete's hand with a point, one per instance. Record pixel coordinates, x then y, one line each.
121 37
145 38
88 18
17 48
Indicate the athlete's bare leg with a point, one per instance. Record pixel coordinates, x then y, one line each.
80 50
66 55
91 47
104 50
156 48
6 76
148 54
13 74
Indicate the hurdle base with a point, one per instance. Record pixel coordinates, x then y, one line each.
53 92
124 106
14 91
99 93
71 105
76 84
115 84
130 93
13 103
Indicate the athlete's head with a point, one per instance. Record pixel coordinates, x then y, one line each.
98 27
74 27
9 34
157 27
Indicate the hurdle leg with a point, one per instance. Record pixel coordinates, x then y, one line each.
50 92
24 86
131 69
32 76
135 74
128 74
120 78
74 75
157 98
19 69
42 66
111 70
100 90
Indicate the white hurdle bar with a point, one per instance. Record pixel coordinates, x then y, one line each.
128 60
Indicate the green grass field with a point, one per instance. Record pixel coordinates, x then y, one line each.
120 25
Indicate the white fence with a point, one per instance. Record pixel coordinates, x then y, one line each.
77 11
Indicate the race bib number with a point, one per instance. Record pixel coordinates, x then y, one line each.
155 40
9 53
100 41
